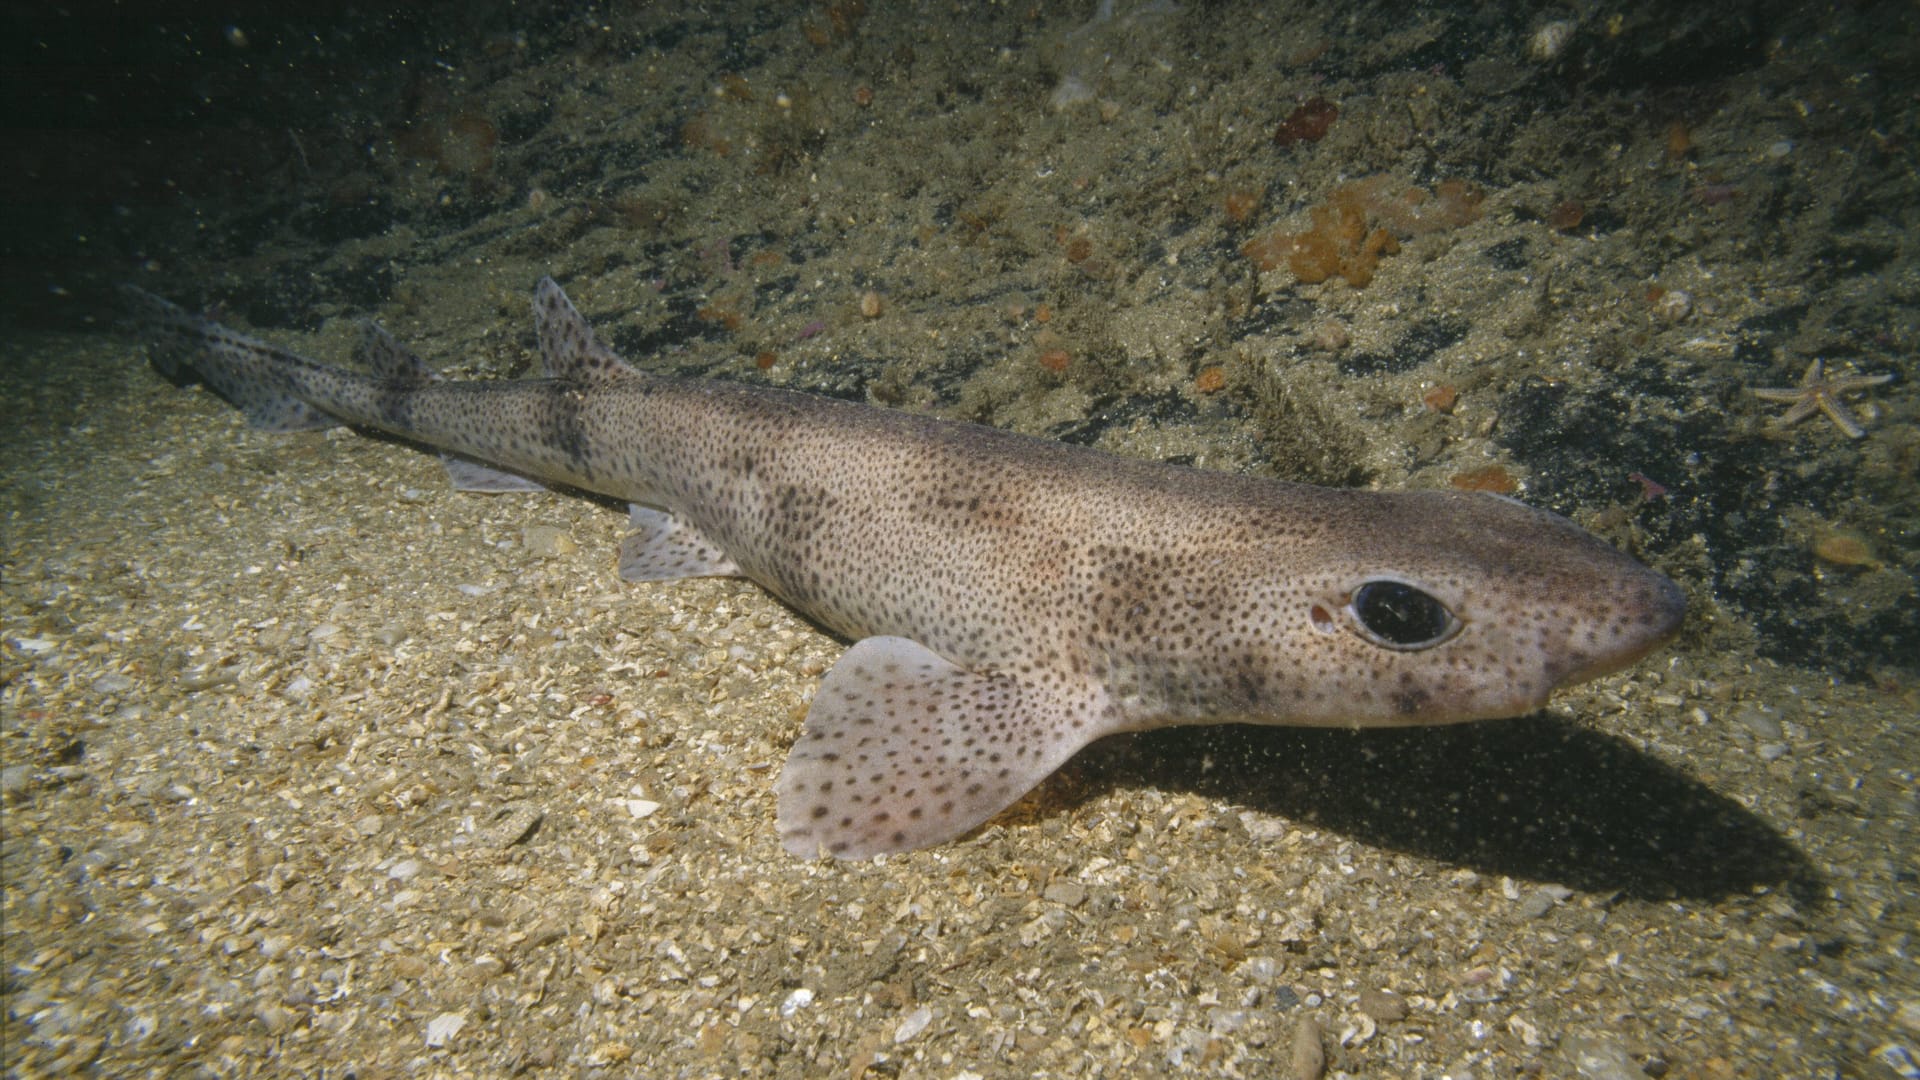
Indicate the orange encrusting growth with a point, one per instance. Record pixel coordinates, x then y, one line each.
1308 122
1493 478
1358 224
1240 204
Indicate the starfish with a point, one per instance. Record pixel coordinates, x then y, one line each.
1817 392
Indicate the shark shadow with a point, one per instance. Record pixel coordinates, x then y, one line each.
1535 798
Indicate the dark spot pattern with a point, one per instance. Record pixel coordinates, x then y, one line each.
1011 599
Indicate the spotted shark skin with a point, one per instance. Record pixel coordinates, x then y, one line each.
1010 600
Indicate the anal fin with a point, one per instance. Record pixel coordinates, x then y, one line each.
903 749
466 475
282 415
663 547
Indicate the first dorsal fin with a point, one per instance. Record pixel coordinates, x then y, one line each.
568 349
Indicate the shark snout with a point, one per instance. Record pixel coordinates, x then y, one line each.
1638 616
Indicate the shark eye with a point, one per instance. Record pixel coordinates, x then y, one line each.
1400 616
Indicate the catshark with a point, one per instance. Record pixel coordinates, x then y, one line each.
1009 599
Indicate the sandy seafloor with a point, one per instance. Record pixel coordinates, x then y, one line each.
313 767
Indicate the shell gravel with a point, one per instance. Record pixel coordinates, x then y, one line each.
306 760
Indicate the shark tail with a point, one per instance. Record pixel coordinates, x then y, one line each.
258 378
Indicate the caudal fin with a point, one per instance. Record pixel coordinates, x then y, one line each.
255 376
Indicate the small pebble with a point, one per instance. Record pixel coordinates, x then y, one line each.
441 1029
1898 1059
15 780
1066 893
1550 40
1383 1005
912 1024
513 825
1309 1057
1758 719
547 541
1330 336
609 1053
1673 305
1597 1058
1542 900
274 1018
1260 969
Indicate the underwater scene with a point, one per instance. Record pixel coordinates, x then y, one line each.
313 763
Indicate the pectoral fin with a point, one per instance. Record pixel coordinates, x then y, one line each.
903 749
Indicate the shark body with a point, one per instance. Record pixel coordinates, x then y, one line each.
1010 600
